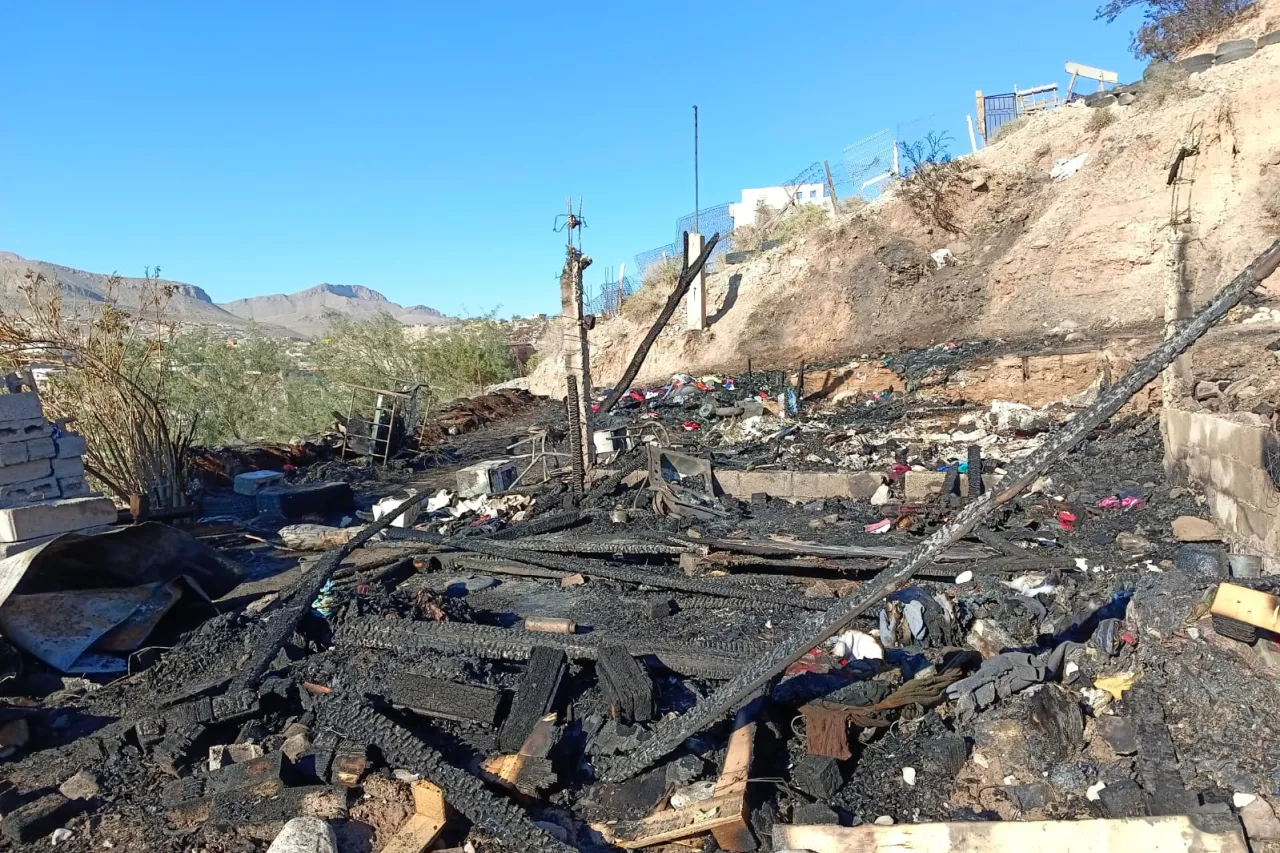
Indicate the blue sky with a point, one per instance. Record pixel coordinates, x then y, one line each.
425 149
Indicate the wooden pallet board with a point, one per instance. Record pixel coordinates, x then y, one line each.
1175 834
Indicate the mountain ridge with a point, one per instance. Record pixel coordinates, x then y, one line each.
304 313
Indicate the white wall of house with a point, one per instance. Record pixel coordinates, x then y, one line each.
744 212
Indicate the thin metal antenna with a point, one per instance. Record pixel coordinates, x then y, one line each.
695 170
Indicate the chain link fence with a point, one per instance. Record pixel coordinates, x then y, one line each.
862 170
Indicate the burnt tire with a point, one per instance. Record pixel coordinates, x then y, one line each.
1196 64
1235 46
1242 53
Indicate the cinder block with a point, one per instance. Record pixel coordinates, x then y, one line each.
71 444
66 468
38 448
29 492
24 430
820 484
14 453
73 487
53 517
252 482
25 471
20 407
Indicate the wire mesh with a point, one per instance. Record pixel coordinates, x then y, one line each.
864 162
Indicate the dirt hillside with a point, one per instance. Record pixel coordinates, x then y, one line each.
1033 256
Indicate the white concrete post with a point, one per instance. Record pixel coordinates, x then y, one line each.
696 301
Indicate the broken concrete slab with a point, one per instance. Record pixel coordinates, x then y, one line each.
21 523
82 786
800 485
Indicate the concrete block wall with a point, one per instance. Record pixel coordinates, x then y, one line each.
40 476
1223 456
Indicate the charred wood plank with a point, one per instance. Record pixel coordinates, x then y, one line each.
718 661
535 696
626 684
447 700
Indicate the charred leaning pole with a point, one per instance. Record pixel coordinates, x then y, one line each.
816 629
577 354
687 275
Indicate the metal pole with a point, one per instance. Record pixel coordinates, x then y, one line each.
696 230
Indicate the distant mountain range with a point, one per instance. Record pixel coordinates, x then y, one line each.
301 314
304 311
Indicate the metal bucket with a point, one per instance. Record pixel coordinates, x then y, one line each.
1245 565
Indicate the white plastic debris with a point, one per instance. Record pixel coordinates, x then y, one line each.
883 820
439 500
1093 791
909 775
305 835
1032 583
1064 169
696 793
1082 564
942 257
964 577
59 835
1240 800
388 505
856 645
881 497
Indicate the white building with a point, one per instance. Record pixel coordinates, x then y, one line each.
744 212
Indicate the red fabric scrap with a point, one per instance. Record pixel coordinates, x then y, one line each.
1067 520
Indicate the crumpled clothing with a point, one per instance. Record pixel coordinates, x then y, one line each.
1004 675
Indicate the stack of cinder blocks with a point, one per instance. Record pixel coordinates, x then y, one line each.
43 491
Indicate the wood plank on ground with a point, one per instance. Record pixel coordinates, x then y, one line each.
1172 834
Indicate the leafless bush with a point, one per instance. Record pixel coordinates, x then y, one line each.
932 182
1163 84
656 283
1099 120
113 378
1172 26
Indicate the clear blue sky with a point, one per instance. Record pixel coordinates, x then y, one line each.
424 149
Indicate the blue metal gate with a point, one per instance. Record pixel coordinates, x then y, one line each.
999 109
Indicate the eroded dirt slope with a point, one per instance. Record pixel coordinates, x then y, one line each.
1033 256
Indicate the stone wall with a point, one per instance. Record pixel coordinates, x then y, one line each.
1224 456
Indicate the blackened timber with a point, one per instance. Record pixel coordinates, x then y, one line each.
448 700
535 696
626 684
817 628
716 662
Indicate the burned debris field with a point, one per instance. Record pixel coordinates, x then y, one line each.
759 620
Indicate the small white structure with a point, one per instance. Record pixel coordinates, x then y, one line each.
744 212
